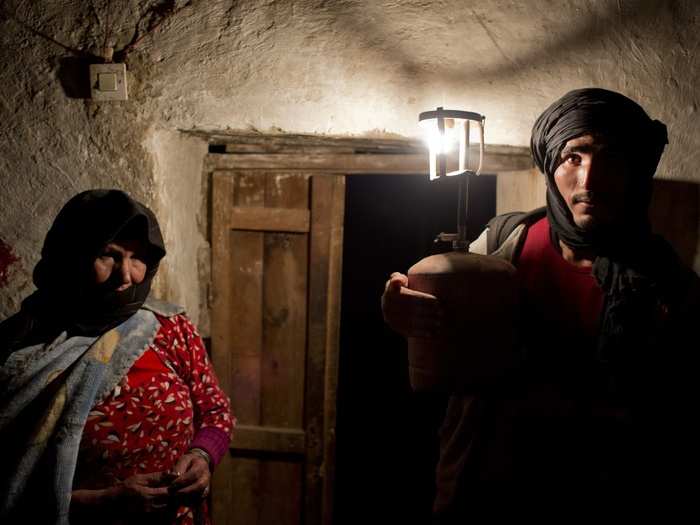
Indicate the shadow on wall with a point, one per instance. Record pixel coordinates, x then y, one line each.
674 210
587 31
675 215
74 75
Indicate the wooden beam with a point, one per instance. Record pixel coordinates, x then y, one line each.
269 439
358 164
246 142
270 219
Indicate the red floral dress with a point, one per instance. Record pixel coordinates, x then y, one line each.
153 415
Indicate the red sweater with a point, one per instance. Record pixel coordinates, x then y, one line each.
560 296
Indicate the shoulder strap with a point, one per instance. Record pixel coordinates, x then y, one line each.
501 226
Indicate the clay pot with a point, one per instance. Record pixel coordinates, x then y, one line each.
479 295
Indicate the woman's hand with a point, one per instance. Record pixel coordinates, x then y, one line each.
192 484
138 494
144 492
409 312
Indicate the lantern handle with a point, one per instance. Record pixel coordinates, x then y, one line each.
450 113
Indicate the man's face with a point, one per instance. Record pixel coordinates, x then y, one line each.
592 179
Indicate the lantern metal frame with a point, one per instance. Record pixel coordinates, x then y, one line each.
438 165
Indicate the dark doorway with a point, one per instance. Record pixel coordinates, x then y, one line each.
387 434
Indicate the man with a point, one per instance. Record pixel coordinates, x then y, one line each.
599 400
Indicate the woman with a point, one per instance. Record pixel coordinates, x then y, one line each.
109 406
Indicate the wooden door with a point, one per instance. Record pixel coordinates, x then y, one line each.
276 269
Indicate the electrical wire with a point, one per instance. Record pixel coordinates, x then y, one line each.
25 25
109 22
131 46
108 33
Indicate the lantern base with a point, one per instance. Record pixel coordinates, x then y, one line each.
477 346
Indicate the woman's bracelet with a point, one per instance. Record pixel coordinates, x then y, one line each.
204 454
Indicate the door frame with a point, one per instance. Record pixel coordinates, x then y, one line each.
334 157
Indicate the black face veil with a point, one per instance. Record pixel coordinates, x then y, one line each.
618 119
66 296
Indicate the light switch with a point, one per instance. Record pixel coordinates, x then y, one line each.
108 81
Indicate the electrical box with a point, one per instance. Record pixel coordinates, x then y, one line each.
108 81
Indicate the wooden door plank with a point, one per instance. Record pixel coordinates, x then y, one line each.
270 219
284 321
281 492
269 439
246 323
285 330
245 507
319 256
287 190
250 189
285 308
246 317
246 282
335 273
222 201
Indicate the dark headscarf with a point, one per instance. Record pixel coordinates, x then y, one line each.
66 297
631 266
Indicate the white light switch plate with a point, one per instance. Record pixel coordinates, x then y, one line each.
108 81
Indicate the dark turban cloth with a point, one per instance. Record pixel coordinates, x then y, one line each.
67 298
617 120
632 266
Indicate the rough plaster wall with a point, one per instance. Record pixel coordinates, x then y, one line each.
177 173
341 67
52 147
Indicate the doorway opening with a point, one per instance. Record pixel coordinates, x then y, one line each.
387 442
